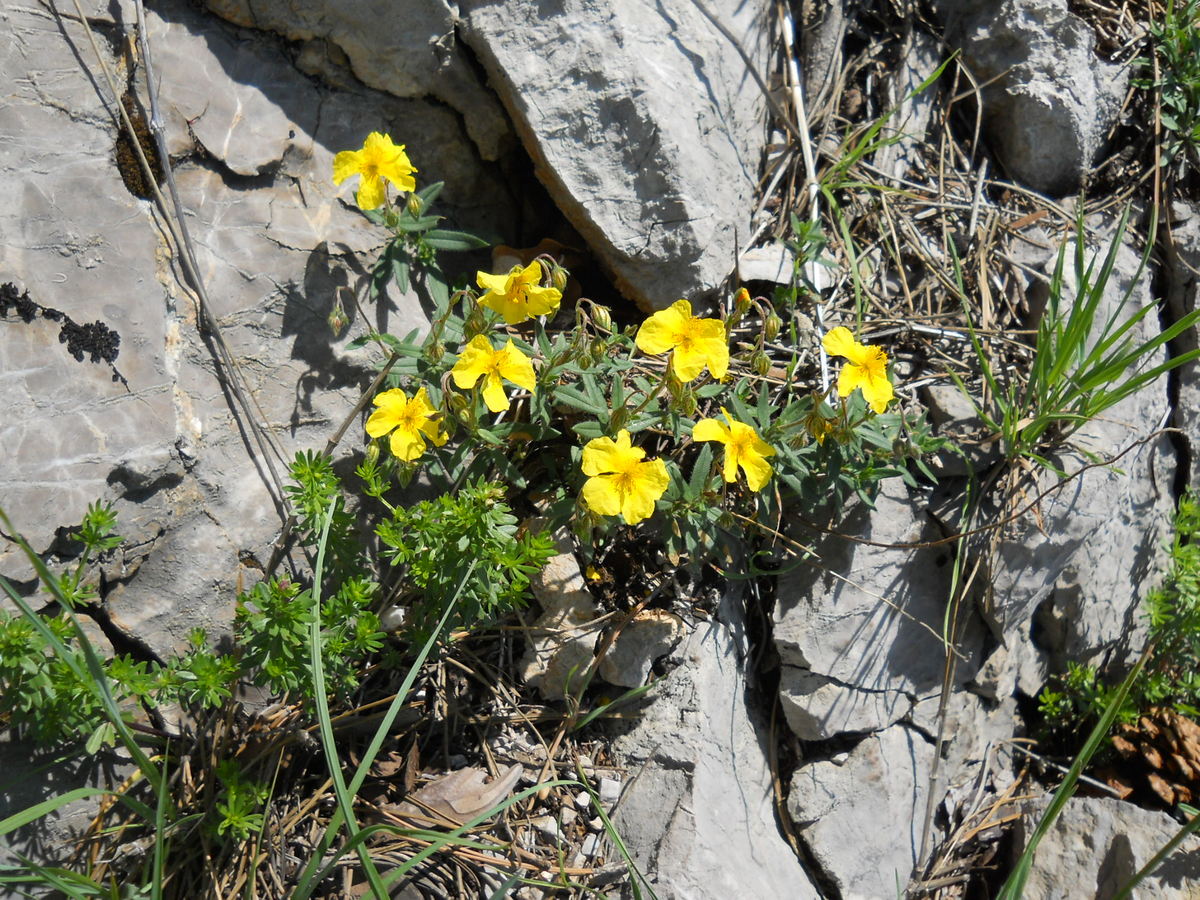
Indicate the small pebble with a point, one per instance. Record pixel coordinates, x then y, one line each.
596 824
547 826
591 845
610 791
567 815
583 801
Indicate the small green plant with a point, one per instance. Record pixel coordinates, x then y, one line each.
1175 42
432 542
239 805
1171 678
1083 363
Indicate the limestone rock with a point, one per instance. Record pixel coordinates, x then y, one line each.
1096 846
860 646
698 817
650 635
410 52
643 124
1053 101
861 813
252 139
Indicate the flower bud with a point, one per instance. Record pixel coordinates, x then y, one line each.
558 277
687 403
372 454
618 418
741 301
435 352
338 320
760 363
772 326
458 404
415 206
474 324
602 317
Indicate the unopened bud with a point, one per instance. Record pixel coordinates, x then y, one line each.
760 363
559 277
741 301
687 403
338 320
602 317
772 327
415 206
435 352
474 324
458 404
618 418
372 454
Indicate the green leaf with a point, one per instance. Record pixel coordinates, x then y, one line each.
442 239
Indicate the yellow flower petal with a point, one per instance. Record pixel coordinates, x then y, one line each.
602 496
662 331
346 164
710 430
839 342
517 367
372 193
473 362
758 471
603 454
493 393
644 486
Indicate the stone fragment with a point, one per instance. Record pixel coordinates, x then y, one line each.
861 815
650 635
699 817
1097 845
773 263
650 134
562 642
1049 101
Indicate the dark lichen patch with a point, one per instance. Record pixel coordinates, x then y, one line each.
127 159
93 339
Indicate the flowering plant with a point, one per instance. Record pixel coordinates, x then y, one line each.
608 419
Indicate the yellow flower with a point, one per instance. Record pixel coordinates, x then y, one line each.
620 482
479 360
743 447
378 159
866 369
412 420
518 295
697 342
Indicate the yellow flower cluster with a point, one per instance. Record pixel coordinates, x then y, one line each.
620 480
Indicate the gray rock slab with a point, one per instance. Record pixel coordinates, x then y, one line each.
1182 275
253 139
1098 843
858 633
860 814
697 812
1051 100
410 53
643 124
